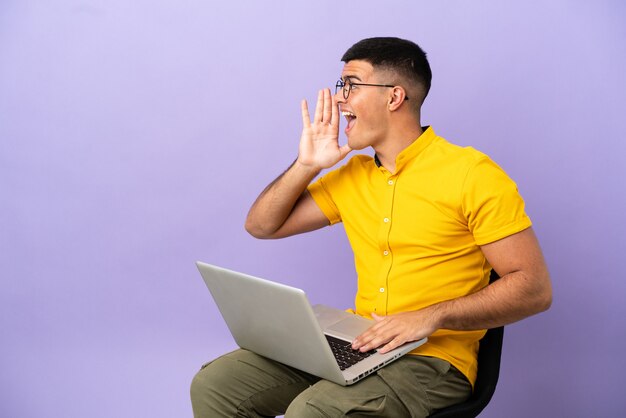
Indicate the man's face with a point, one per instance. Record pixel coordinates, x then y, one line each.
366 107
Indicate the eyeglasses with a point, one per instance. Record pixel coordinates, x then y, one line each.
347 87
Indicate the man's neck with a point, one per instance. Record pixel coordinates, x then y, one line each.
395 144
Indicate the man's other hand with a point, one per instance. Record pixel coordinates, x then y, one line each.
390 332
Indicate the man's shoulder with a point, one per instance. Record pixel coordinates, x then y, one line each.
361 159
359 162
447 155
444 147
356 167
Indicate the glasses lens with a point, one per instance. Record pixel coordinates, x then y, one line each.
338 86
346 89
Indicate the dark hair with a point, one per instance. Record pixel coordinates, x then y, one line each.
403 57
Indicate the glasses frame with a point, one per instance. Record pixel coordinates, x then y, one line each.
346 91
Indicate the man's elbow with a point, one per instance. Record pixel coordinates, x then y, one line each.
543 301
256 230
260 230
547 300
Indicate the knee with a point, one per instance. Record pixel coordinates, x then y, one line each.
213 377
206 391
201 383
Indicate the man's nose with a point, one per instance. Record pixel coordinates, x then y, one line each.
339 96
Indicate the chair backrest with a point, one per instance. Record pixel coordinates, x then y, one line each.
489 353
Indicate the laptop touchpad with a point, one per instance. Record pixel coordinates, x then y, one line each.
351 327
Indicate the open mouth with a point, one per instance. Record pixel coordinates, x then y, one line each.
350 118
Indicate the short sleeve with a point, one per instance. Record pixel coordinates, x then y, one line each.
491 203
320 190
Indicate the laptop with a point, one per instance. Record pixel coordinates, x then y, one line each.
278 322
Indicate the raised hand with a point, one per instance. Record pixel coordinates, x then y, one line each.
319 143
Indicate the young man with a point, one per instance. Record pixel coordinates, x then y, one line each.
427 221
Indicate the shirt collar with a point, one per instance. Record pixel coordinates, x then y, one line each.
409 153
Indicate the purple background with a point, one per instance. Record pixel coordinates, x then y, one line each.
135 135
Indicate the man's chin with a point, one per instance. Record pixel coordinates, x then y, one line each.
355 145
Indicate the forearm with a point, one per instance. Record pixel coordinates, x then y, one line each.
513 297
284 208
274 205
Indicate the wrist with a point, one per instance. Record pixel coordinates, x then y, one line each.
438 314
307 168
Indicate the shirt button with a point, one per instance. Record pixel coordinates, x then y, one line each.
385 252
390 182
382 290
386 220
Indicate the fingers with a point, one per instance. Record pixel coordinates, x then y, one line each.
326 109
373 341
377 318
373 338
319 108
306 118
388 333
334 114
392 345
328 105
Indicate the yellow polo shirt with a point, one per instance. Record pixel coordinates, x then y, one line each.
416 233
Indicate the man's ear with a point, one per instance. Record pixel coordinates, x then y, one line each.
397 96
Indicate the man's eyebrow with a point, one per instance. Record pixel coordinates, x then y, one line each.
350 77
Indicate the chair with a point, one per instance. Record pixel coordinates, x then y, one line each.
489 352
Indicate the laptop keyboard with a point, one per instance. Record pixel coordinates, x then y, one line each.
344 354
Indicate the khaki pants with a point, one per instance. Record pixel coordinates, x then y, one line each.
243 384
